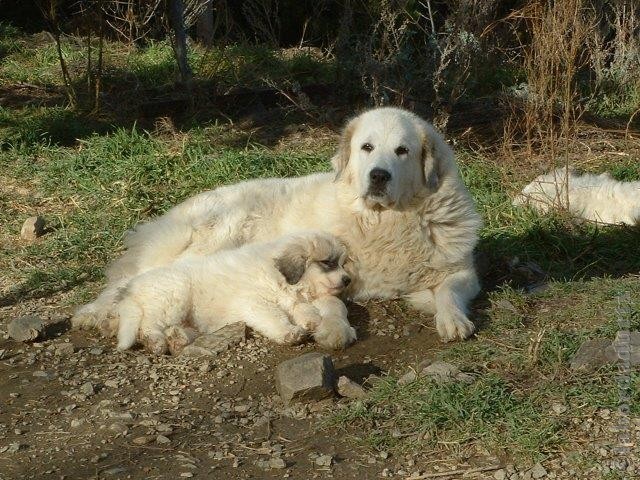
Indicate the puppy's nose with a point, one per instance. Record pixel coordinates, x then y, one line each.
346 280
379 176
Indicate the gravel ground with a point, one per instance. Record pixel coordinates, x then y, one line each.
73 407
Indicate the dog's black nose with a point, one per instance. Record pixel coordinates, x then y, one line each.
379 176
346 280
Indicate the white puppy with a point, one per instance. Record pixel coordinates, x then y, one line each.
596 198
395 197
272 287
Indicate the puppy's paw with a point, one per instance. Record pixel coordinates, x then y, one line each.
155 344
179 337
334 333
307 316
296 335
452 325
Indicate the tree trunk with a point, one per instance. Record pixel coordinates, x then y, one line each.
176 19
204 27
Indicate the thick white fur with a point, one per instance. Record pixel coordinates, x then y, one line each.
160 306
415 241
596 198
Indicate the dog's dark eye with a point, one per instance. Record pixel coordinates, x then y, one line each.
367 147
402 150
329 264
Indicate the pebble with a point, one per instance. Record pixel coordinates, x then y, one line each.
324 460
350 389
87 389
161 439
32 228
538 471
143 440
500 474
27 328
277 462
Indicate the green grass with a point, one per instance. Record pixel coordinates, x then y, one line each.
93 179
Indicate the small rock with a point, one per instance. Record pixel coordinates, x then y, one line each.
96 351
500 474
32 228
111 383
205 367
119 427
76 422
594 354
143 440
65 349
16 447
219 341
558 408
87 389
350 389
277 462
324 460
42 374
162 440
27 328
307 377
186 474
115 471
408 377
538 471
441 371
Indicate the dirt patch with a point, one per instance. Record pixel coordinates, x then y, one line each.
99 413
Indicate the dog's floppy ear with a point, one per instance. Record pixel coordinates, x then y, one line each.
292 262
341 158
438 159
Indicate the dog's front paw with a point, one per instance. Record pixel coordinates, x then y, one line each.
296 335
452 325
334 334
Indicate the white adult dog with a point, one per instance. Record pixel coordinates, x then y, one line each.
396 199
595 198
284 289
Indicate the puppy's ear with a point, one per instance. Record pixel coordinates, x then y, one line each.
438 159
341 158
292 263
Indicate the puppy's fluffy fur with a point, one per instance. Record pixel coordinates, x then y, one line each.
411 232
596 198
272 287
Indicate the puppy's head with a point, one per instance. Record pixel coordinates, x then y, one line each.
390 156
315 261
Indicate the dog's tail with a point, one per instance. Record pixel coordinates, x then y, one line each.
130 314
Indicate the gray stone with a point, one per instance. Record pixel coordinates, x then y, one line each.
538 471
324 460
162 440
500 474
27 328
87 389
408 377
593 354
32 228
628 344
350 389
441 371
65 349
307 377
211 344
277 462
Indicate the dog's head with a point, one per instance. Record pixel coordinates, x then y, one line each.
315 261
390 156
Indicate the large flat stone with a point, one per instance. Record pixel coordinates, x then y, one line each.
628 344
594 354
307 377
210 344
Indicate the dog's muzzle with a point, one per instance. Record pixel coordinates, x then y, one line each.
378 180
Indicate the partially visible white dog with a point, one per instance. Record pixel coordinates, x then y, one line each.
596 198
284 289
